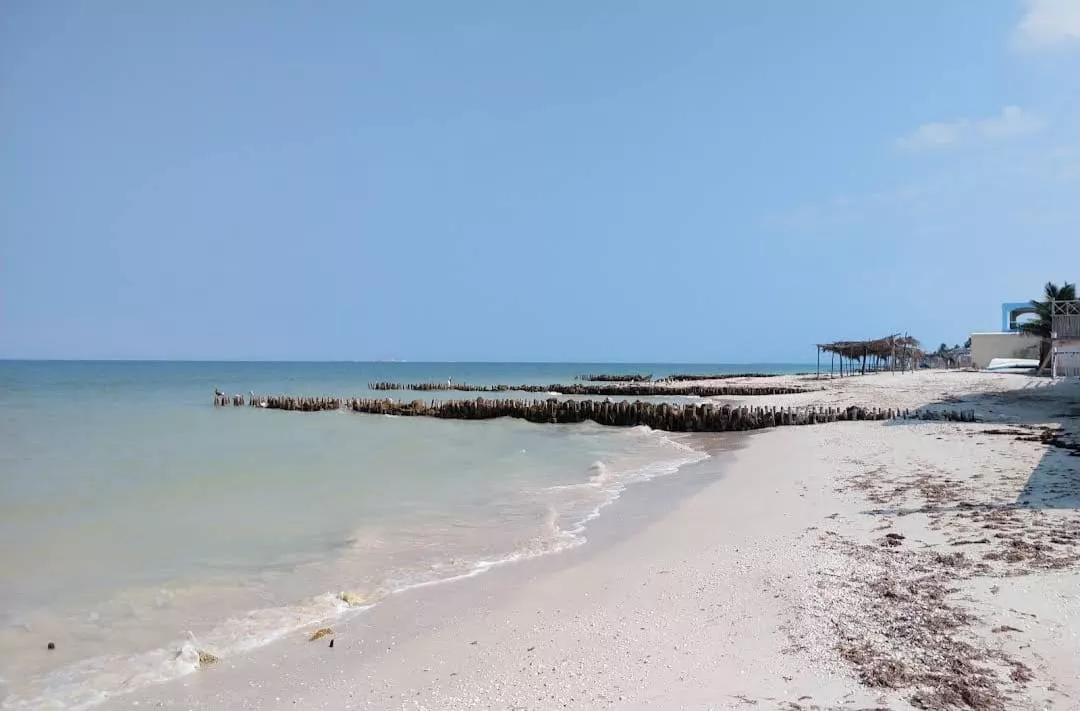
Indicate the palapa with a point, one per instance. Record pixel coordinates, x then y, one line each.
893 349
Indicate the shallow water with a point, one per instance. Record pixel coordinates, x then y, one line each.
138 523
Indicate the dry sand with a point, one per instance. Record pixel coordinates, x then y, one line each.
861 565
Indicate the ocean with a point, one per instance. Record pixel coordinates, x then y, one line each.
139 524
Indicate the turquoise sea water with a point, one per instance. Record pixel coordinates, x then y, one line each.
139 523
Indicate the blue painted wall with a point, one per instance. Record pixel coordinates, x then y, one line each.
1011 311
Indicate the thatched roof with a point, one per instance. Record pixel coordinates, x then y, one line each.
885 347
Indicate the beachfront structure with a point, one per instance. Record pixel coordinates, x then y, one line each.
987 346
1010 341
1011 311
1065 338
893 352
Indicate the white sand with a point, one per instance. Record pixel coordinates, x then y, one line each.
754 580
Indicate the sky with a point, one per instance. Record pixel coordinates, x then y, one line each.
612 180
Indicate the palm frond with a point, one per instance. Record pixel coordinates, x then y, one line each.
1041 325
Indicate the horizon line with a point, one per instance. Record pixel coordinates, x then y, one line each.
423 362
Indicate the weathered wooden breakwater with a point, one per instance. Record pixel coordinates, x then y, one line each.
460 387
683 377
607 389
614 378
704 417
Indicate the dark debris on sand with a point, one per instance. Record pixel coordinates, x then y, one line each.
909 632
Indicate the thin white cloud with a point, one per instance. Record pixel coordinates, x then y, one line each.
935 135
1012 121
1048 23
1031 183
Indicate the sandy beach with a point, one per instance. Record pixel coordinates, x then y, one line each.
866 565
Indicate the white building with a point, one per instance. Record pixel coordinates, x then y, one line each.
987 346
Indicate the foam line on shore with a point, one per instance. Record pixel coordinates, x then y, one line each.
92 681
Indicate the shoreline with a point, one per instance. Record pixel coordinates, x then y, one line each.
772 583
419 609
147 670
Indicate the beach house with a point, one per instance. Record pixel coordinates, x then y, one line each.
1009 342
1012 343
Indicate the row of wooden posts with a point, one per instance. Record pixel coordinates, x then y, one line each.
608 389
614 377
683 377
705 417
673 378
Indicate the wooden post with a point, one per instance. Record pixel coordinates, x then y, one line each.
819 362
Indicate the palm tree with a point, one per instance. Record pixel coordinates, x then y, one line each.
1042 324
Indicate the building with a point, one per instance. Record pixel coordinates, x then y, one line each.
1010 315
1010 342
987 346
1065 340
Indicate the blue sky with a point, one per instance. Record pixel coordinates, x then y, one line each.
606 180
